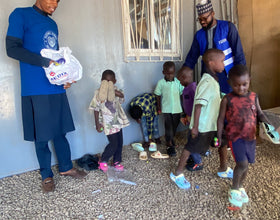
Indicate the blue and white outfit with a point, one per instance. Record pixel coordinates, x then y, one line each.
224 37
46 113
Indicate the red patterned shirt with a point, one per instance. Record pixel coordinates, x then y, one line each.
241 116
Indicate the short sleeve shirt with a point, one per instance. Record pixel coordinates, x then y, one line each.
111 114
208 95
170 92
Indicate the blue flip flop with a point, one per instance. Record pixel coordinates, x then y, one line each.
267 127
138 147
180 181
270 132
273 136
226 174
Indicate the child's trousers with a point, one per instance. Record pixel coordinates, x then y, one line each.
114 148
171 122
150 128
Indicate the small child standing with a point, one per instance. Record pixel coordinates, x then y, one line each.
241 109
203 125
168 91
186 80
143 108
110 117
194 162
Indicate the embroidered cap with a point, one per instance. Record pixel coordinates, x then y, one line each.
204 6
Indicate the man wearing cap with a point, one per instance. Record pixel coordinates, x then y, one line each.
46 113
222 35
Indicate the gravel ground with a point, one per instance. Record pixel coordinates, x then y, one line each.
154 197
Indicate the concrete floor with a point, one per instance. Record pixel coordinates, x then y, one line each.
154 197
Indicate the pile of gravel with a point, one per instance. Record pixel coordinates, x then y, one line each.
154 197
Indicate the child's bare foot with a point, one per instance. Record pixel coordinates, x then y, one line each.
222 168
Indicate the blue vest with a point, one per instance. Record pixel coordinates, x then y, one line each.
220 42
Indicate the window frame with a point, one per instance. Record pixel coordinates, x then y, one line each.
152 54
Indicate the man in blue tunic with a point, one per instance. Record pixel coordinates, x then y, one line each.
46 113
222 35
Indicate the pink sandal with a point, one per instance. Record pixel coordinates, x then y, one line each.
103 166
118 166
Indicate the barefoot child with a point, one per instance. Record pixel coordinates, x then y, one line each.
241 109
110 117
205 112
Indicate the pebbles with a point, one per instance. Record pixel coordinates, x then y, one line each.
154 197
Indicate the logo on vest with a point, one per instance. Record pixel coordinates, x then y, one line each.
50 40
222 41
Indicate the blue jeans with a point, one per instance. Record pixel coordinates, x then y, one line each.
144 127
63 154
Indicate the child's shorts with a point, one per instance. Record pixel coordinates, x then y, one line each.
243 150
201 143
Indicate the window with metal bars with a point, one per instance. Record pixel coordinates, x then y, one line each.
151 30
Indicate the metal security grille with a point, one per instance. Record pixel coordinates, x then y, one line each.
151 30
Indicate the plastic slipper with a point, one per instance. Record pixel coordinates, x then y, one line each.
235 198
159 155
180 181
153 147
273 137
137 146
103 91
269 133
226 174
267 127
143 155
111 92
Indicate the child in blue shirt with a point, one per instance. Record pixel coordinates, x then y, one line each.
168 91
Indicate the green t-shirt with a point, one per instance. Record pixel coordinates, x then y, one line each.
208 95
170 92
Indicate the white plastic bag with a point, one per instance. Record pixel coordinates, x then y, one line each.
66 68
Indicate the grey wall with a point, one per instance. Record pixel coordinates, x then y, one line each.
93 30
